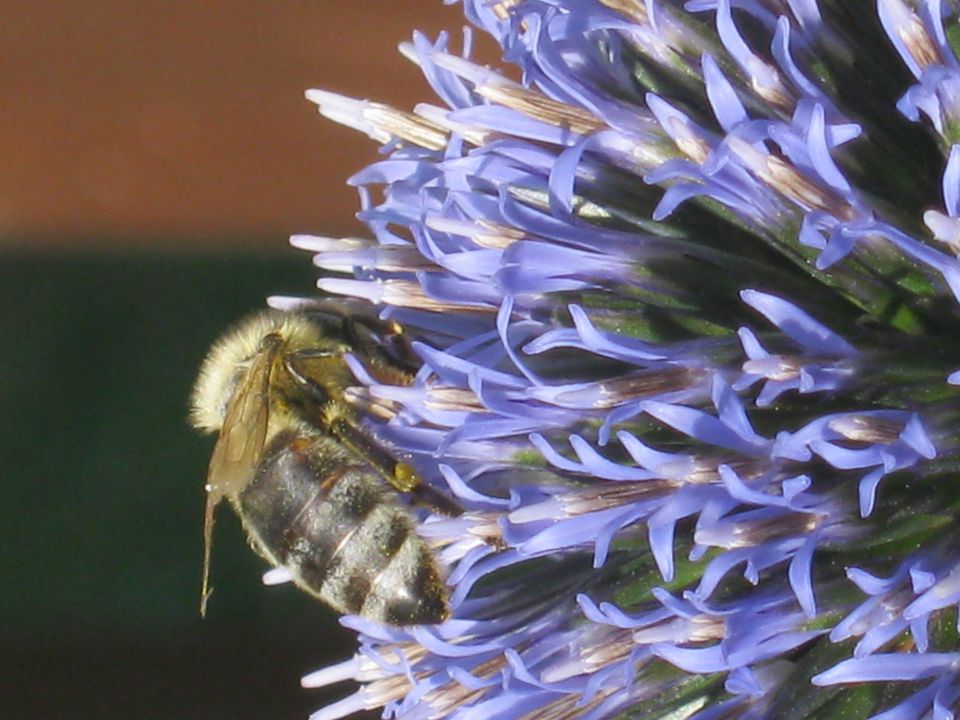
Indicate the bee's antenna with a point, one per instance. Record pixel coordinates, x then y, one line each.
206 590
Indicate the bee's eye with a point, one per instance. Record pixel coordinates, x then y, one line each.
270 340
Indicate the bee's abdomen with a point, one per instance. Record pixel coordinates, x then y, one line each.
328 519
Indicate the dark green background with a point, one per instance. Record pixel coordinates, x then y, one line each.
101 500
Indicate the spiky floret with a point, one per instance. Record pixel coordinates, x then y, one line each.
688 326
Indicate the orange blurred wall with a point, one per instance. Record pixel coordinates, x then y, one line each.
183 121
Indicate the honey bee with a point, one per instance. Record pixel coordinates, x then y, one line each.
316 492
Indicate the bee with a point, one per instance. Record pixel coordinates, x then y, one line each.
316 492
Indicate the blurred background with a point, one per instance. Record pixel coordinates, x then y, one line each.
154 157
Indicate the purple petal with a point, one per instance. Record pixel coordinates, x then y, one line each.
889 667
798 325
726 106
800 578
951 183
820 153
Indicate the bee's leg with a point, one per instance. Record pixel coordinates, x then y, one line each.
386 346
339 422
404 476
400 475
307 368
349 331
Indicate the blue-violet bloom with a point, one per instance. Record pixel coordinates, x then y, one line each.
683 280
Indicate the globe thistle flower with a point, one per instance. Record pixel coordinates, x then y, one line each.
683 279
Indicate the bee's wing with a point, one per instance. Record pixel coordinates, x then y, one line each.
244 432
239 447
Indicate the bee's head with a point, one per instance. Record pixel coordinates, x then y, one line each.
232 354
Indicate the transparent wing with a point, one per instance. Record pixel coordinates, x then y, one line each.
244 432
239 448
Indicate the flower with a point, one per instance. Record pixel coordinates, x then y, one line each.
686 298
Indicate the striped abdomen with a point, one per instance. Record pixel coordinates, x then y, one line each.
330 519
